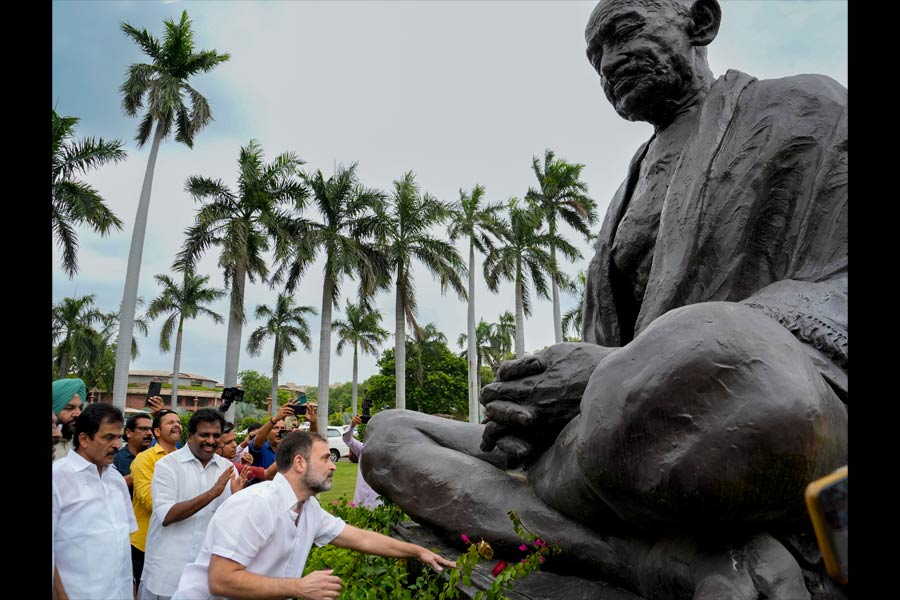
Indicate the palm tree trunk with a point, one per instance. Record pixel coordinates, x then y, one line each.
274 406
557 319
235 326
520 320
478 393
354 389
400 345
325 354
132 277
176 368
472 355
63 365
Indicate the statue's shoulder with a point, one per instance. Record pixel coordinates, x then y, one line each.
783 92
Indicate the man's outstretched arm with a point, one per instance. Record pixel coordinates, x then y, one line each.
370 542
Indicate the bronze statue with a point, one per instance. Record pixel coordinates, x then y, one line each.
670 451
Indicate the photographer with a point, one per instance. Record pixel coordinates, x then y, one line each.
265 444
364 495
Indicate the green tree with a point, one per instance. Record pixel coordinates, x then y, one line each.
73 321
405 233
442 390
181 302
164 84
361 329
242 225
284 324
478 223
343 236
483 348
256 386
72 201
561 195
525 260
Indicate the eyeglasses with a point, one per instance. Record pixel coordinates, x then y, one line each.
144 428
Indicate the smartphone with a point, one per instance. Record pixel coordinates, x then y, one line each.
299 406
366 408
154 390
826 500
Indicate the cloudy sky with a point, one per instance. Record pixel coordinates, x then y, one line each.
459 92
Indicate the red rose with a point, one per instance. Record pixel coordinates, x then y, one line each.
498 568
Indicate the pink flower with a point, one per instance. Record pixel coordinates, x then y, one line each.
353 505
539 543
523 560
523 547
334 503
465 539
541 559
498 568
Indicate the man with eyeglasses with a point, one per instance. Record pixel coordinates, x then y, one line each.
228 449
138 436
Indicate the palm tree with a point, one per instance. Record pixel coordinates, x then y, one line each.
572 318
425 341
501 340
73 321
561 194
181 303
242 224
405 234
74 202
468 218
483 349
524 256
285 323
361 329
348 218
164 83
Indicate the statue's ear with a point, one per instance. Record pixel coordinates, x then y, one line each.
706 16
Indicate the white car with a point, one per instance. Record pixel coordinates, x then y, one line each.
336 442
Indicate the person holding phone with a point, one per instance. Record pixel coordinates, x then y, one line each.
265 444
363 495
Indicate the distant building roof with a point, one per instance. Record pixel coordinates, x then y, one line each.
148 373
292 387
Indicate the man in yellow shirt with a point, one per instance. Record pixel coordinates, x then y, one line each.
167 429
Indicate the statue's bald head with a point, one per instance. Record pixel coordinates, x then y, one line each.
651 53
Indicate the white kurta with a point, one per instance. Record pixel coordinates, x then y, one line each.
178 476
256 529
92 517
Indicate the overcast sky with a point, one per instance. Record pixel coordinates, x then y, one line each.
459 92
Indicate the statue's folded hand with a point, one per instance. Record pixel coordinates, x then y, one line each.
534 397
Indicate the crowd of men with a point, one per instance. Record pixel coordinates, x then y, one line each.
154 519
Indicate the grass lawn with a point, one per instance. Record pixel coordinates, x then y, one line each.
343 483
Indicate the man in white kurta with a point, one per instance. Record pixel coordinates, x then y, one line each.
92 514
258 541
188 486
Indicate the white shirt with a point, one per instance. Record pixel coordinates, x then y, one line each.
256 529
92 517
178 476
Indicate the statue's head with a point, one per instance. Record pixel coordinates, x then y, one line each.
651 54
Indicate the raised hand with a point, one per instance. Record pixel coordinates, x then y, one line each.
219 486
534 397
239 479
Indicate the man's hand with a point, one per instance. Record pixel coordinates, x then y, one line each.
356 420
313 417
219 486
239 480
534 397
435 561
247 458
319 585
155 403
284 410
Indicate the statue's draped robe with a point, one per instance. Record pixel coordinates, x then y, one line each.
756 212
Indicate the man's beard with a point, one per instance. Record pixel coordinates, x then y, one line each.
68 431
322 484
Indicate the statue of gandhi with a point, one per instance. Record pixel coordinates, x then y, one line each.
669 452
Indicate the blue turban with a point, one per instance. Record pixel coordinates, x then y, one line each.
64 390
